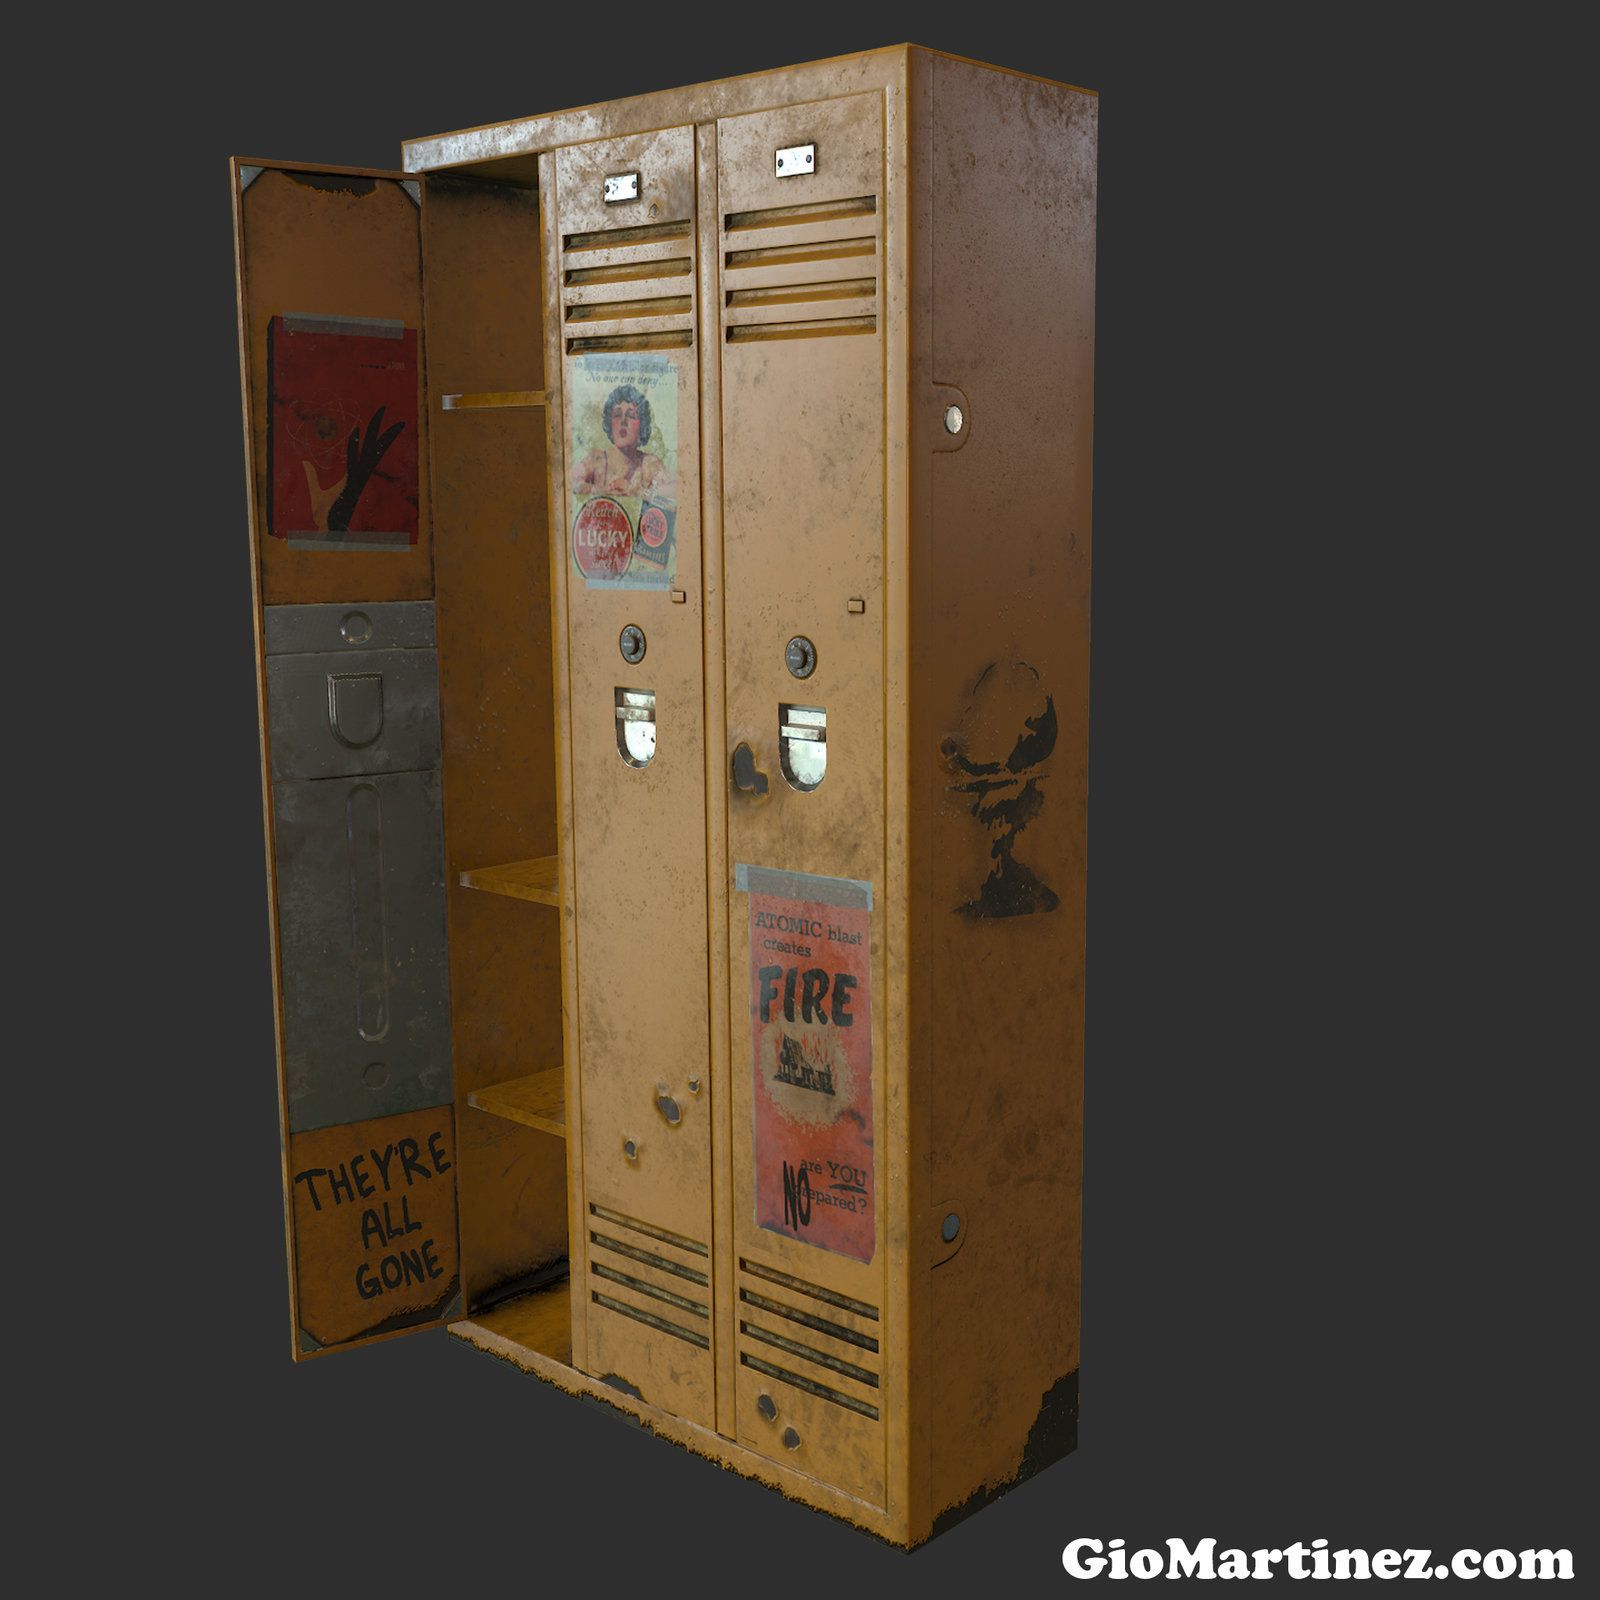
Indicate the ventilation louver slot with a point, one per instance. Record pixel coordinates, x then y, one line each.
628 288
801 272
638 1271
809 1337
799 1381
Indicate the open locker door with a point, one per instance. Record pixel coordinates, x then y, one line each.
330 321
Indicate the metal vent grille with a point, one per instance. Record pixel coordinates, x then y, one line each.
801 272
810 1338
628 288
651 1275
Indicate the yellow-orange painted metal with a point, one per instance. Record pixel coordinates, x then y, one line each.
872 432
486 335
940 256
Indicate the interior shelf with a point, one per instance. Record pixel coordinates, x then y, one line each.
538 1101
537 880
496 400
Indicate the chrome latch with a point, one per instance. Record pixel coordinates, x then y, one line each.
803 746
636 726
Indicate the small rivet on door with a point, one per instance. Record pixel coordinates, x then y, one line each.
630 1148
800 656
954 419
355 627
631 643
375 1075
949 1228
791 1439
767 1406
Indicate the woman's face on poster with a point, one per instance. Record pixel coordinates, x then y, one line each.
625 425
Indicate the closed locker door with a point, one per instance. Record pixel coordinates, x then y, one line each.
802 417
631 453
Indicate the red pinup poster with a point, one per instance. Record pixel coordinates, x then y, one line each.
342 433
811 1050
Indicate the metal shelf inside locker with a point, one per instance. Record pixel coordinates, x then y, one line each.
536 1101
537 879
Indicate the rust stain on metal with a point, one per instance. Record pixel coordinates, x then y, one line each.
752 406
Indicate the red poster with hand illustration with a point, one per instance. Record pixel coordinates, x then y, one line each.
342 433
811 1050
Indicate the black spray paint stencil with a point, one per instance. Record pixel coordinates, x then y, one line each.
1005 790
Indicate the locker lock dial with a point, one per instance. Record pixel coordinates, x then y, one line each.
800 656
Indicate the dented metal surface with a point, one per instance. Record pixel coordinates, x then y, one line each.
386 625
351 689
628 471
819 422
366 989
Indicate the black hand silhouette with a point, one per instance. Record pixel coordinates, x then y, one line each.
361 456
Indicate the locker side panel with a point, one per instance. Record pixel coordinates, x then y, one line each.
630 550
1006 184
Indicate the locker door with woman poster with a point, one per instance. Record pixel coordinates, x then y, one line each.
620 219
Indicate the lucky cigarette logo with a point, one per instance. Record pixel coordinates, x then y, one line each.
622 410
602 539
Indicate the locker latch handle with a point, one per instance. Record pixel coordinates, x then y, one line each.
745 775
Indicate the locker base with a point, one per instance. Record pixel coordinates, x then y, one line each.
534 1333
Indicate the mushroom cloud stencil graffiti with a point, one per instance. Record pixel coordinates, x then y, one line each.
1005 791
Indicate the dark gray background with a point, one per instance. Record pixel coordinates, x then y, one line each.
1339 1086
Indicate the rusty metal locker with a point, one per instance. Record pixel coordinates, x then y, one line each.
767 1129
627 300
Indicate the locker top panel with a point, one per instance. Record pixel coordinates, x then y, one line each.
507 150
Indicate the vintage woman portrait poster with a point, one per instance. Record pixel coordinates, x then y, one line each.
622 410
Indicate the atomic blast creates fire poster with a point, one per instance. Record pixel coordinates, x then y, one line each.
342 433
622 472
811 1047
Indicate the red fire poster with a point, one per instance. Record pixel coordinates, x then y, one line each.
811 1049
342 433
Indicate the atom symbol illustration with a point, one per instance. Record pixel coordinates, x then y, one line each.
319 436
